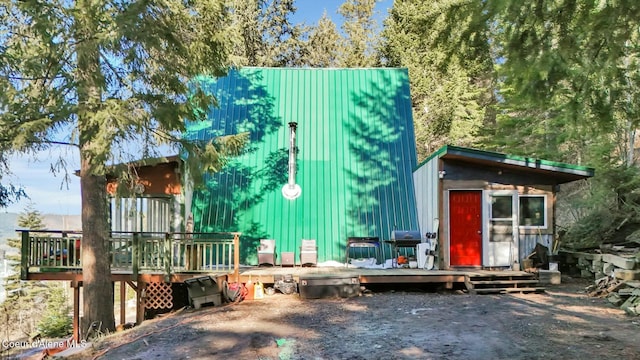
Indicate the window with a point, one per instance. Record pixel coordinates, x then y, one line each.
533 211
501 207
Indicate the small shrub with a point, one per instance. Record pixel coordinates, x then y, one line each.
56 321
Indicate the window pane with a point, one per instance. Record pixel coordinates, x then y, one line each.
532 210
501 208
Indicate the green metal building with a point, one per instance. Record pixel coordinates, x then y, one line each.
355 157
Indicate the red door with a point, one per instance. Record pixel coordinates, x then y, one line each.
465 229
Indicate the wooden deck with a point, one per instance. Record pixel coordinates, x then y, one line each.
57 255
176 257
161 261
366 276
268 275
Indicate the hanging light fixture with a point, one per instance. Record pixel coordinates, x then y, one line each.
291 190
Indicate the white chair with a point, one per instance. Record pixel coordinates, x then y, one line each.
267 252
308 252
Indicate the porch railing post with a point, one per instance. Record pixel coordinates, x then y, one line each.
65 245
24 256
167 257
135 255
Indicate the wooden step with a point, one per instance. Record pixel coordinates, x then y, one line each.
519 276
523 290
502 283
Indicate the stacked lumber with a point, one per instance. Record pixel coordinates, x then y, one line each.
616 272
621 293
605 286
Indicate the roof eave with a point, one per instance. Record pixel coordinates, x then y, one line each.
562 171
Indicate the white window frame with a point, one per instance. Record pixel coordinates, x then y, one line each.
499 194
545 214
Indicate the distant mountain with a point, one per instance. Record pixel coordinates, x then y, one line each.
9 224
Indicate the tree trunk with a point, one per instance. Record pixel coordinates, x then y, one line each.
631 144
96 273
96 270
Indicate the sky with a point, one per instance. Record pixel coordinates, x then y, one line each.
50 194
310 11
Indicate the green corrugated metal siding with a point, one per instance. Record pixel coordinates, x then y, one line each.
355 160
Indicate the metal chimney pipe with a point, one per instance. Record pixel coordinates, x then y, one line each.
292 153
291 190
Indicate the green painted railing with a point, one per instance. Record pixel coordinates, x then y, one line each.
53 251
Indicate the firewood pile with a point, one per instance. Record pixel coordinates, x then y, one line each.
622 293
616 272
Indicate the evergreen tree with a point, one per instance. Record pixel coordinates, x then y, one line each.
56 322
31 218
264 35
112 80
566 89
359 26
452 89
9 193
566 75
323 45
25 300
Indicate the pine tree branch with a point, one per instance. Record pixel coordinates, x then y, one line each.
65 143
164 135
22 78
114 71
45 141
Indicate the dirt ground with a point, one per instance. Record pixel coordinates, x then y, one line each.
561 323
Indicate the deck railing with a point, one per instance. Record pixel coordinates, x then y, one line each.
52 251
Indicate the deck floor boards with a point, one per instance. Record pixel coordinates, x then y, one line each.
268 274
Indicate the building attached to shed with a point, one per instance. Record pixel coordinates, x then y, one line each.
492 209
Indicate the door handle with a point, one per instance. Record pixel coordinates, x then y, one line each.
479 231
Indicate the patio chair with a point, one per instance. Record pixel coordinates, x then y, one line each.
267 252
308 252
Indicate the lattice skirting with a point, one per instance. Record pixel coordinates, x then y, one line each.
159 295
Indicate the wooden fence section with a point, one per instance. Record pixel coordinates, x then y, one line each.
135 252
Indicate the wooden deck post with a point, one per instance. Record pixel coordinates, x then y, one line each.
135 255
167 257
64 244
123 302
76 310
140 299
24 256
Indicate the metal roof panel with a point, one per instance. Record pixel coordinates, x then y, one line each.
356 152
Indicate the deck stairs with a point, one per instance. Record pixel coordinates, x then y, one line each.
497 283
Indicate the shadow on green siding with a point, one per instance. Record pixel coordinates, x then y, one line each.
243 105
375 172
355 160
